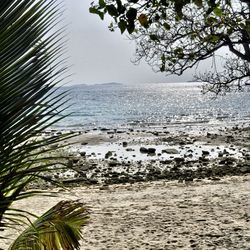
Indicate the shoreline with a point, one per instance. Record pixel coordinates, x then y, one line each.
127 155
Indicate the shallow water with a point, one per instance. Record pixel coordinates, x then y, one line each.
190 152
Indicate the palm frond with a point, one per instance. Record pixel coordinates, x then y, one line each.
31 66
59 228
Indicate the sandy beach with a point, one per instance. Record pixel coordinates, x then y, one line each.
162 215
157 188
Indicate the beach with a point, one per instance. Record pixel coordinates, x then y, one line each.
176 187
161 214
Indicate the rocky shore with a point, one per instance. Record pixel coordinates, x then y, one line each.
111 156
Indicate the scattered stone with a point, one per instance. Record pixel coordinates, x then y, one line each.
83 154
75 160
130 149
110 132
113 163
151 150
104 187
179 159
204 152
170 151
245 169
143 150
104 129
108 154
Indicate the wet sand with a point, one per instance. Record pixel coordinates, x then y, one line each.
126 155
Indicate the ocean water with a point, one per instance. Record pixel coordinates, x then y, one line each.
117 105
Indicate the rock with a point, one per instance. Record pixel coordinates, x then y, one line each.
130 149
225 152
124 144
245 169
104 187
189 179
110 132
220 154
165 161
113 163
151 150
230 138
215 179
83 154
204 152
170 151
167 139
84 143
179 159
75 160
203 159
208 134
143 150
155 133
85 167
108 154
104 129
120 132
227 161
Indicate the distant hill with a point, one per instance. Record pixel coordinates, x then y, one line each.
96 84
109 84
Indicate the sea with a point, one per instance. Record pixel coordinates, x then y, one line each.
115 105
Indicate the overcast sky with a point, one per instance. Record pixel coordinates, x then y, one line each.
101 56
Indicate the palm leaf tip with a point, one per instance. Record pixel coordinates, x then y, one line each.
58 228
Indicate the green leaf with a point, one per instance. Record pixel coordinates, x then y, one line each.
122 26
154 37
198 3
131 14
112 10
94 10
120 7
212 38
178 5
131 27
218 11
166 26
102 4
59 228
164 3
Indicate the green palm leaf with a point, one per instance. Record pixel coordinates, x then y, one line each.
29 70
59 228
31 66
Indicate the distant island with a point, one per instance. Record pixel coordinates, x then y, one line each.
108 84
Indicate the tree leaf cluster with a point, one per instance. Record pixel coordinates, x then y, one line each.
185 32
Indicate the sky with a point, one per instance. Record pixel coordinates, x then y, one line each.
100 56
